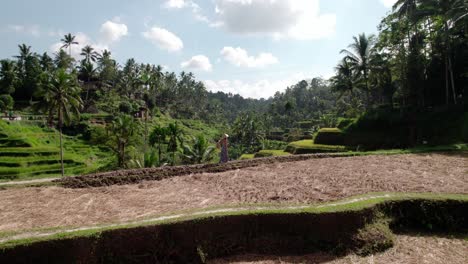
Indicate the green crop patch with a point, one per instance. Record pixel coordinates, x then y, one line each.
28 151
270 153
309 147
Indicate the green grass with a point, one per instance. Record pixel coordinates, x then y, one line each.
308 146
355 203
39 156
271 153
190 127
247 156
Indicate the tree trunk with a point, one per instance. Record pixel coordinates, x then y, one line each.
61 140
123 155
159 154
446 83
61 150
452 79
367 92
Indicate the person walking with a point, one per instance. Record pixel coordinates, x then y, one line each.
223 144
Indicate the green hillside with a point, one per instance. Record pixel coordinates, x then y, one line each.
29 151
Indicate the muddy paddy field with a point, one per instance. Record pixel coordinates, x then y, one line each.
107 199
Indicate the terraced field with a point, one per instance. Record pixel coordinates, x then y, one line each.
29 152
336 206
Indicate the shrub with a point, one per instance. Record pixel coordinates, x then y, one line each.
98 135
270 153
275 135
330 136
125 107
309 147
6 102
274 144
344 123
394 129
305 124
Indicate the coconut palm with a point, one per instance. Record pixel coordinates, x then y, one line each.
47 63
123 131
199 152
451 14
358 54
69 40
87 73
174 132
158 137
61 93
345 78
89 53
62 60
8 76
24 56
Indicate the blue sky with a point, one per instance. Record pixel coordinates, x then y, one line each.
251 47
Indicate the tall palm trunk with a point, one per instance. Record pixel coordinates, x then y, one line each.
448 63
159 153
61 152
367 91
446 83
452 79
61 141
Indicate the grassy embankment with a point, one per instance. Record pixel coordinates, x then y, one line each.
28 151
363 223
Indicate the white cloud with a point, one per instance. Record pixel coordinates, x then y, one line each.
82 40
257 89
388 3
32 30
164 39
298 19
199 62
240 58
195 8
175 4
112 32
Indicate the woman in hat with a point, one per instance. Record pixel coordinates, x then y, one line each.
223 144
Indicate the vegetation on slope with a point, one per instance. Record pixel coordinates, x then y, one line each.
35 153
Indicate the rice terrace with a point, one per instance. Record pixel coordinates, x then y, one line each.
142 137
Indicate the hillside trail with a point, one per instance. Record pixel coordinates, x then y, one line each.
27 182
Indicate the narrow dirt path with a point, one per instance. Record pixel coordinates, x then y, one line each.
27 182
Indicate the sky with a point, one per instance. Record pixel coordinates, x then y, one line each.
250 47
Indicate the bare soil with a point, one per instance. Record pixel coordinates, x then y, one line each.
306 181
407 249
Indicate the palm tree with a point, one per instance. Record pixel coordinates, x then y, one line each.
123 129
89 54
61 94
23 57
62 60
47 63
68 40
158 137
174 133
450 13
87 74
199 152
344 79
8 76
359 54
